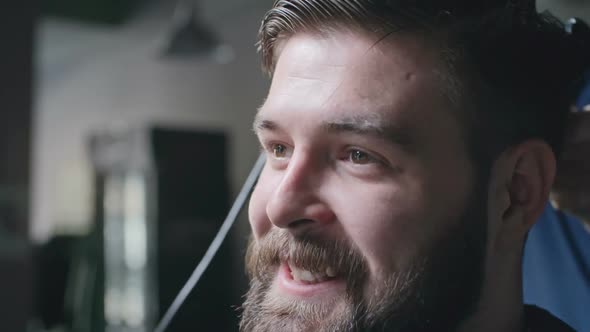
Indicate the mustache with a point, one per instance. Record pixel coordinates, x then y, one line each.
308 252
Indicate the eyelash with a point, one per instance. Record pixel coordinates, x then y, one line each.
270 148
356 152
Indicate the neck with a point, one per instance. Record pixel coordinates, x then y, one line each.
501 305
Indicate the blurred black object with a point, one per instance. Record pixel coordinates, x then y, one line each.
53 261
193 199
17 25
577 26
189 194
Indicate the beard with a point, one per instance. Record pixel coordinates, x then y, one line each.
437 292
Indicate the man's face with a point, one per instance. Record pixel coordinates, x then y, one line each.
366 214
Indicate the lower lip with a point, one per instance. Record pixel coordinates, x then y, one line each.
288 285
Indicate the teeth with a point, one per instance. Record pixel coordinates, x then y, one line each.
306 276
302 275
310 277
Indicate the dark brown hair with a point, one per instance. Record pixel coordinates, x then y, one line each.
513 71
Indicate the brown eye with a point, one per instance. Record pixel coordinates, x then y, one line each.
279 151
359 157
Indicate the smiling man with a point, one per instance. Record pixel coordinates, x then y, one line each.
407 158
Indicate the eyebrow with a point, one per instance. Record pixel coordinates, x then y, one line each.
370 126
357 125
261 124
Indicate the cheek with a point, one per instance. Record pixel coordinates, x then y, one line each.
384 224
257 208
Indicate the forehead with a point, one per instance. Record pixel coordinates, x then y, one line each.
346 73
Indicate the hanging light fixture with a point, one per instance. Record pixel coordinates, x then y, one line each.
189 37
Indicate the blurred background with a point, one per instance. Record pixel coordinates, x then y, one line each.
125 136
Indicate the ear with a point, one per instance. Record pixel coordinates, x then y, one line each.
519 189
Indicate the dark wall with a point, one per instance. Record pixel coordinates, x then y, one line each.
104 11
16 50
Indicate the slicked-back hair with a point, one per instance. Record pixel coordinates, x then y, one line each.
511 71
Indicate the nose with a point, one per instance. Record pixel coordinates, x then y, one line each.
296 203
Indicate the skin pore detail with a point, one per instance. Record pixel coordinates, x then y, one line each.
361 150
405 164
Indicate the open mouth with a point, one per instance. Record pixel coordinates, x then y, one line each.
309 277
293 280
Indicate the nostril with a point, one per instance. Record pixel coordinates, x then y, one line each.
300 223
